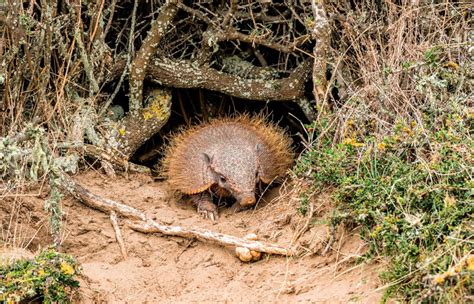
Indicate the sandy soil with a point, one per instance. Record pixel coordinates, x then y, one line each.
171 269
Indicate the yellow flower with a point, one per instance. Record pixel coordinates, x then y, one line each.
470 262
438 279
450 273
449 200
452 64
66 268
352 142
122 131
381 146
458 268
376 231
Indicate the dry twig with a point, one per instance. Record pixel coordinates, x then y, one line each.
118 234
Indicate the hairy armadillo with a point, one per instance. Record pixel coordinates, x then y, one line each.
226 157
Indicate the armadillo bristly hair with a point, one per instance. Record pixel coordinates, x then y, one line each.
183 164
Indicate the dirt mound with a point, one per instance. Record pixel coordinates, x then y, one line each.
171 269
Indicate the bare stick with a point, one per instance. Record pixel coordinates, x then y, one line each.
211 236
129 54
183 109
147 51
118 234
147 225
331 240
321 32
232 34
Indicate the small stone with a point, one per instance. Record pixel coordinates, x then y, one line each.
243 254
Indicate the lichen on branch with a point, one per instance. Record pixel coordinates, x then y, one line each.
134 129
147 51
186 74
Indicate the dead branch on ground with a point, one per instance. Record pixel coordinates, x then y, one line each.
118 234
147 225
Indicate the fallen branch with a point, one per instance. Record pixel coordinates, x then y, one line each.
118 234
147 225
211 236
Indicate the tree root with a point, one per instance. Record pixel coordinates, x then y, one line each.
147 225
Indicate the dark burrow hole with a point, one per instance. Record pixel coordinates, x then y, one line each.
192 106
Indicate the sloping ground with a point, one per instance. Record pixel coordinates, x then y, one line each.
171 269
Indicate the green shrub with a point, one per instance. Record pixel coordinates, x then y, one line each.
412 192
51 277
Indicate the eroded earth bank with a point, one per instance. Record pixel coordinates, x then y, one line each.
170 269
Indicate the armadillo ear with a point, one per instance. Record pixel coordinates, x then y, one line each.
207 158
262 171
263 177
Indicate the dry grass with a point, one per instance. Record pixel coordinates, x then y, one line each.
397 68
383 54
397 147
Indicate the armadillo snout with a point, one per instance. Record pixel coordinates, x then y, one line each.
247 200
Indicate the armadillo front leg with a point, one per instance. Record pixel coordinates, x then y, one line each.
205 207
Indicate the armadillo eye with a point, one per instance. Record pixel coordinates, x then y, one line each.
222 179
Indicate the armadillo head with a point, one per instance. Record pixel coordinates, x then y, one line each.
236 171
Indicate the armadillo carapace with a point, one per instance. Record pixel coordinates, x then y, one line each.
226 157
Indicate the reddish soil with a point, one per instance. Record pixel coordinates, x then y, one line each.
171 269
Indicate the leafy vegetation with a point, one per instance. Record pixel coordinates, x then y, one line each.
409 187
392 138
51 277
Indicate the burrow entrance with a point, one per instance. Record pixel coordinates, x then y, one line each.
192 106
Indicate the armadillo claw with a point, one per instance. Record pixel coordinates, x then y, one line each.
236 207
207 210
